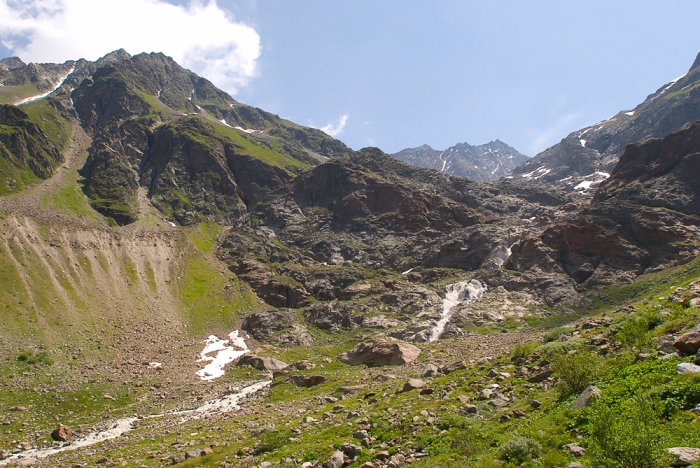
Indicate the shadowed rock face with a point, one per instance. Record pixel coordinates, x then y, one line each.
639 219
24 147
161 127
661 172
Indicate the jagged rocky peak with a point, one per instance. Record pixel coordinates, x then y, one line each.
483 162
585 158
10 63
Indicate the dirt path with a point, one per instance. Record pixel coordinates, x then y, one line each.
28 202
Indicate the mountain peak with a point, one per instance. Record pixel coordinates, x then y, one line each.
10 63
696 63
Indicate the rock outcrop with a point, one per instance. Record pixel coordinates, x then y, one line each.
380 354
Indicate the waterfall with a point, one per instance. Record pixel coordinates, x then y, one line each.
456 294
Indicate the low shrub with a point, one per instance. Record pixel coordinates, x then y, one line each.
628 436
30 357
555 333
576 371
519 449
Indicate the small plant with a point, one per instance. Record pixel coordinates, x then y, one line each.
576 371
519 449
32 358
524 350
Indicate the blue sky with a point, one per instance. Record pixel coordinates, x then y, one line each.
405 73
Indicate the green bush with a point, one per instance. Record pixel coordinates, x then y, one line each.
576 371
519 449
269 441
30 357
628 436
523 350
555 333
635 332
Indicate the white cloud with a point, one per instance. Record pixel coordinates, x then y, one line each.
200 35
338 129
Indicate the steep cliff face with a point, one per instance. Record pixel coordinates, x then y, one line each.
644 216
26 152
158 125
661 172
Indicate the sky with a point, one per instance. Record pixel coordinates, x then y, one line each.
388 73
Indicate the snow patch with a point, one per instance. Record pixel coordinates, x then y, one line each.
590 180
247 130
541 171
226 352
630 113
583 142
43 95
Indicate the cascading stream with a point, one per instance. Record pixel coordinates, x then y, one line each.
456 294
218 353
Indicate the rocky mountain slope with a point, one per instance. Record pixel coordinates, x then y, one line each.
484 163
176 290
150 117
586 157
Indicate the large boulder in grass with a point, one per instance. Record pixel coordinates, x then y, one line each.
380 354
688 342
684 456
262 363
62 433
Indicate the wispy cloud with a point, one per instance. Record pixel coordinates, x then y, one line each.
199 35
337 129
546 138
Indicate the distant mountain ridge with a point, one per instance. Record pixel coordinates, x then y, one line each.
584 158
484 163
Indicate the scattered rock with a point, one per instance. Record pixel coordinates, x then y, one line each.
687 368
697 358
455 366
194 453
688 342
413 384
574 465
351 389
337 460
684 456
575 450
380 354
430 370
540 377
306 381
62 433
586 397
427 391
383 455
262 363
304 365
351 450
666 344
4 454
469 409
177 458
536 404
498 403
